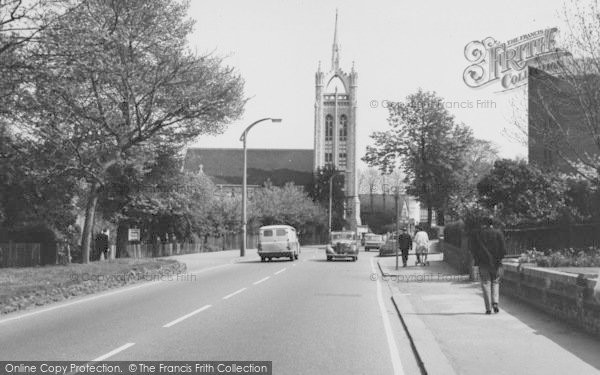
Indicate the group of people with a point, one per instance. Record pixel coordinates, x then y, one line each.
487 246
420 242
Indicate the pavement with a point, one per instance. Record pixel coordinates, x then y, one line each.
307 316
443 314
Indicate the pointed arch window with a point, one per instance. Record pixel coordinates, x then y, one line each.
343 128
328 128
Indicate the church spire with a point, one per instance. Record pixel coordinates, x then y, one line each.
335 51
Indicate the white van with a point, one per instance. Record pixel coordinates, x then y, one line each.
278 241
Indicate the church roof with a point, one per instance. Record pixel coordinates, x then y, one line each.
225 165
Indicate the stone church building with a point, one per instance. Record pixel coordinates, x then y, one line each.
335 124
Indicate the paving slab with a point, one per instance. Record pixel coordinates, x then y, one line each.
443 312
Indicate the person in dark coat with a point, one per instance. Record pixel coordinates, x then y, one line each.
488 248
404 244
102 244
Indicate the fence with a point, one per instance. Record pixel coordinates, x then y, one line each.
14 254
552 237
227 242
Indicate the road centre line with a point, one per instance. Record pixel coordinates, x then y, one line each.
113 352
280 271
234 293
187 316
261 280
396 363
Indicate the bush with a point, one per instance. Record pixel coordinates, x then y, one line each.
453 233
587 257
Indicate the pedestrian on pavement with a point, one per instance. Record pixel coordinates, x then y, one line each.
404 244
488 249
421 241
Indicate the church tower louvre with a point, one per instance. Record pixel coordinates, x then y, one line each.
335 125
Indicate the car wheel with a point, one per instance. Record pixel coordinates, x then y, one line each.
328 259
262 259
354 259
292 257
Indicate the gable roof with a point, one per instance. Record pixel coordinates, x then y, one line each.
225 165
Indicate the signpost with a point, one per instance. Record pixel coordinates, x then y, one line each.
134 237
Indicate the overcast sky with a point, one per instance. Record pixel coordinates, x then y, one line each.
397 47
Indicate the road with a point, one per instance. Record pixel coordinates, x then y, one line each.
308 317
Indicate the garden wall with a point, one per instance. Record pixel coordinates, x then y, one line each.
564 295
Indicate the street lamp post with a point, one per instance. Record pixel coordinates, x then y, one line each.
244 187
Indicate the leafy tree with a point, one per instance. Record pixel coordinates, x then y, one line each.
29 193
113 79
286 205
429 146
320 192
479 161
522 194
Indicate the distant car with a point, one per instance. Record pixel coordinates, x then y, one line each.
278 241
342 244
388 248
373 241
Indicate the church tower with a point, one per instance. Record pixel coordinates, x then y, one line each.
335 125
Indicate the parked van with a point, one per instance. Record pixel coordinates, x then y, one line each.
278 241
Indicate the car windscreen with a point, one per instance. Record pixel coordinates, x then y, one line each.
373 238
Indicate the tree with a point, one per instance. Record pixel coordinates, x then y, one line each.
479 161
429 146
369 182
115 79
20 23
522 194
320 193
30 194
286 205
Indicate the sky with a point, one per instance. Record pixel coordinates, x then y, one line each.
397 47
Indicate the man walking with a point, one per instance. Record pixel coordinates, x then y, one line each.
488 249
404 244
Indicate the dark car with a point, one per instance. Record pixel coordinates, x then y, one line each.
342 245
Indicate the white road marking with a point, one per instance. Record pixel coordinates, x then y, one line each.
113 352
261 280
186 316
294 264
234 293
83 299
396 363
281 270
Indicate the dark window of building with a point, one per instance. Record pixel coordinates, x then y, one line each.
328 128
328 157
343 128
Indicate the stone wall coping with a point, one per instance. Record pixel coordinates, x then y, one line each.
548 273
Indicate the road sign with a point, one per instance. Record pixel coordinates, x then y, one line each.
133 234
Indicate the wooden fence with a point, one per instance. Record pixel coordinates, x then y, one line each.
15 254
228 242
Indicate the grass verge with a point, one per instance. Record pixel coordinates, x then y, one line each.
24 288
